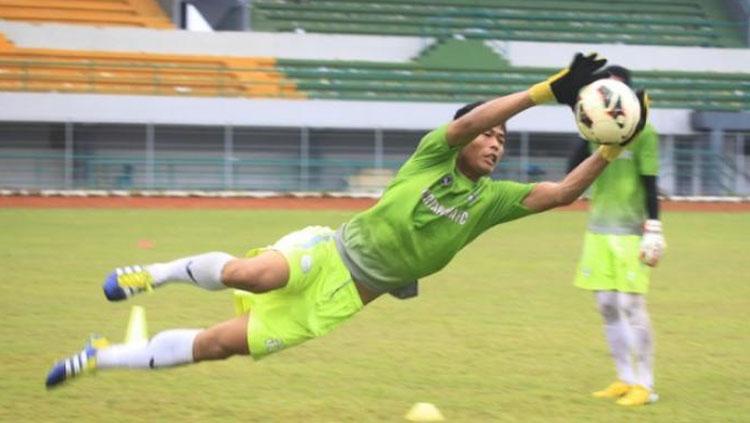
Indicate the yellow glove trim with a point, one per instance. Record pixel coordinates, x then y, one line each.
610 152
542 92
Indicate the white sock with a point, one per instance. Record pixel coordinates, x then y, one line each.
203 270
634 306
165 349
617 333
617 337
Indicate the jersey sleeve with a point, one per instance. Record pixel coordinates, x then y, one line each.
433 149
648 152
508 199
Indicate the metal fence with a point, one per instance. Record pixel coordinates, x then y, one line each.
161 157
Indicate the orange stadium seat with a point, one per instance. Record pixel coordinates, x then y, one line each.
5 44
138 13
29 69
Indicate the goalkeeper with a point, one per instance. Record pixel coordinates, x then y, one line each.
312 280
623 241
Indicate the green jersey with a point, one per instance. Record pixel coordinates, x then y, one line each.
428 212
618 197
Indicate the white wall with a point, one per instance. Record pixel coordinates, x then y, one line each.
45 107
248 44
689 59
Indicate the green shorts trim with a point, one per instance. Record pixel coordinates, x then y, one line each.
612 263
319 295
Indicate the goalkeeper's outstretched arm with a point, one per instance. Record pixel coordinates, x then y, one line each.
548 195
490 114
561 87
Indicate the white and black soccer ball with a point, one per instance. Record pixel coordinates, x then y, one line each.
607 112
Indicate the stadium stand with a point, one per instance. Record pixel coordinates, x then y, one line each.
659 22
462 71
138 13
448 71
24 69
388 82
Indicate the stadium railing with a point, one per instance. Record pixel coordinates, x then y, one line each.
158 157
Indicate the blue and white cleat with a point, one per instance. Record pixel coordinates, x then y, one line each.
82 363
127 281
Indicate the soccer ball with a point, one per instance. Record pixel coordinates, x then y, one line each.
607 112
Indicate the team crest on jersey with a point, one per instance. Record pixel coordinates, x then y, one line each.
447 180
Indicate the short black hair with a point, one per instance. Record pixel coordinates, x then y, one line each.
620 72
467 108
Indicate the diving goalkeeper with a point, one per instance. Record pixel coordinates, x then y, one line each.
311 281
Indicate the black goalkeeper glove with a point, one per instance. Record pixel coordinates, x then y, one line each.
563 86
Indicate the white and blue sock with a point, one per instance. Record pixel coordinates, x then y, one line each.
203 270
166 349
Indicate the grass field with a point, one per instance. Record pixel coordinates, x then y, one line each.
499 335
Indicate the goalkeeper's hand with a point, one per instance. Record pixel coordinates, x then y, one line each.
652 243
610 152
563 86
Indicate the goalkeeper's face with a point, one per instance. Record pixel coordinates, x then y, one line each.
479 157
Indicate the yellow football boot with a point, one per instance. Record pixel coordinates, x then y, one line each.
125 282
615 390
638 395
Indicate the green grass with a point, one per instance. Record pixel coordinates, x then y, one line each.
499 335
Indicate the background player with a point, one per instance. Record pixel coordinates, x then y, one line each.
623 240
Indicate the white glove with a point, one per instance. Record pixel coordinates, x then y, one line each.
652 243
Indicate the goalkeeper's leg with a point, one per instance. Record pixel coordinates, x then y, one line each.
180 346
211 271
166 349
